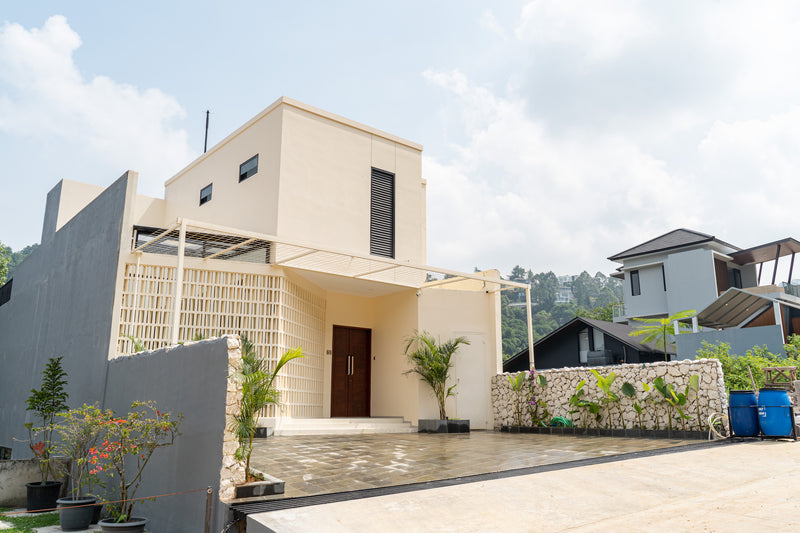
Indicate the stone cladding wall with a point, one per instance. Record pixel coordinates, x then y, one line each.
561 384
232 472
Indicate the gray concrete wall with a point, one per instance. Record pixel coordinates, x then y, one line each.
189 379
652 300
691 282
741 340
61 304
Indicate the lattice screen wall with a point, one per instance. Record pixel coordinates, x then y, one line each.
274 312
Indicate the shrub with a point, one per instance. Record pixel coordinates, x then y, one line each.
734 367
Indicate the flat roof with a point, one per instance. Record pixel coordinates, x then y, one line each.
284 100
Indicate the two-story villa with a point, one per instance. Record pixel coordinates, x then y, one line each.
301 228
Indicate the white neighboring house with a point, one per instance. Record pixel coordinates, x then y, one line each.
301 228
686 269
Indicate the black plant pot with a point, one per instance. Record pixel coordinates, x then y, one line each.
136 525
96 513
75 514
42 496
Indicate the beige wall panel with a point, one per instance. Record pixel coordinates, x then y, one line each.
249 205
383 154
409 206
343 310
394 394
150 212
325 176
74 197
473 314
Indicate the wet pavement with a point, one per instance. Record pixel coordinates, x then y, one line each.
326 464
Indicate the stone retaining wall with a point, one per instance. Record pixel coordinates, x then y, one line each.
562 383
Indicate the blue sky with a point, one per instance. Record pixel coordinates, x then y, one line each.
556 133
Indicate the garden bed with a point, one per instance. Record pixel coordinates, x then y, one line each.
601 432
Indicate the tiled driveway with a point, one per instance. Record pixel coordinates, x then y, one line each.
326 464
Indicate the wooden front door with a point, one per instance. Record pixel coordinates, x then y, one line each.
350 386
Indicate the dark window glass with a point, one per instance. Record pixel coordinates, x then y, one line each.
5 292
737 278
248 168
205 194
664 277
381 231
635 289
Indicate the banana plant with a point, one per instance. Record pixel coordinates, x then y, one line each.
675 400
629 391
694 385
517 385
605 382
577 401
653 399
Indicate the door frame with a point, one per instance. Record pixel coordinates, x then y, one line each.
368 368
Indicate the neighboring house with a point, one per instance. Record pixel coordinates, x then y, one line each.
564 294
587 342
301 228
686 269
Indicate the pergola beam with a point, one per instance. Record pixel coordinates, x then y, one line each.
230 248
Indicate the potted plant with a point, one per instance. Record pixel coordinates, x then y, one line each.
45 403
80 430
432 361
258 391
127 447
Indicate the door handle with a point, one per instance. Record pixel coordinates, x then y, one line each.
349 365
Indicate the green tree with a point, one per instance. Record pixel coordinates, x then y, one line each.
605 313
46 403
5 258
544 290
258 391
658 330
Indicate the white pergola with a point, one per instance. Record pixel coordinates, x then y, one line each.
210 241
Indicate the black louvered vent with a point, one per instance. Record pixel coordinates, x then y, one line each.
381 220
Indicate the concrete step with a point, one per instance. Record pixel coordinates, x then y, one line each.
341 426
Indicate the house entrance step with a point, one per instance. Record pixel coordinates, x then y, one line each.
341 426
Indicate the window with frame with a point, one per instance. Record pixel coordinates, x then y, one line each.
205 194
663 277
636 289
248 168
381 221
736 276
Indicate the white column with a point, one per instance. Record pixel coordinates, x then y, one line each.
676 328
695 327
776 307
530 327
178 292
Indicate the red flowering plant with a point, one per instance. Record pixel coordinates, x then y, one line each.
80 431
127 446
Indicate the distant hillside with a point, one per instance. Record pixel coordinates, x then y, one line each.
555 300
13 259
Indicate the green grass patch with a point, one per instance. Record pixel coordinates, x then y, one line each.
24 523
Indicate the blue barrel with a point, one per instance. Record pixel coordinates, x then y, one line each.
774 413
744 413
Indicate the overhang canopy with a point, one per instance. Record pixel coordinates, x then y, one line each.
732 308
766 252
209 241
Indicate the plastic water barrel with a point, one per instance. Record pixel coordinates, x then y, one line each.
744 413
774 413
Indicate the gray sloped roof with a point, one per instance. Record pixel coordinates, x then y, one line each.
674 239
622 333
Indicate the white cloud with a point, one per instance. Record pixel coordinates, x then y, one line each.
599 29
46 96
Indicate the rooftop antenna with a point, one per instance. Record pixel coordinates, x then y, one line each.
205 142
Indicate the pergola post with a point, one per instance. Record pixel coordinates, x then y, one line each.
530 327
775 269
791 268
177 294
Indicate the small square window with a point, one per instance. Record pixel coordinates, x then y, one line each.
248 168
205 194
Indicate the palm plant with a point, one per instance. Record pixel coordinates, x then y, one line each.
657 330
433 360
258 391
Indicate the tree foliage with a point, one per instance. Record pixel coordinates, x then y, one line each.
593 297
9 260
659 330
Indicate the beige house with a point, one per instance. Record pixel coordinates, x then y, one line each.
301 228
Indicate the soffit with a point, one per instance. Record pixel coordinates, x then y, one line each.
766 252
